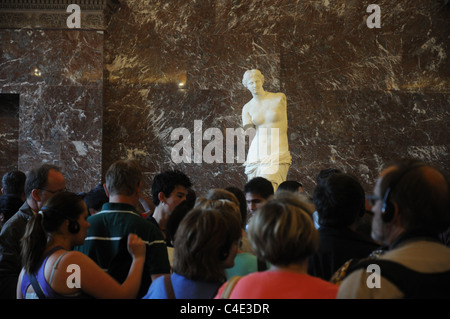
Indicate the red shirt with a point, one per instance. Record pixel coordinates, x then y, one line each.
281 285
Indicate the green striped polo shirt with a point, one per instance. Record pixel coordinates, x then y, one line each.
115 221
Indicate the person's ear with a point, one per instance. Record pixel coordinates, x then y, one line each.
162 198
396 216
138 190
36 194
106 190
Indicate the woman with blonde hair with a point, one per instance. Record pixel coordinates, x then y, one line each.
283 234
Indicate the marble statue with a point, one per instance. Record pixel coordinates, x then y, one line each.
268 155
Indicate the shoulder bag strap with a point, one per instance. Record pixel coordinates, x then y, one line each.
412 283
169 287
36 286
229 287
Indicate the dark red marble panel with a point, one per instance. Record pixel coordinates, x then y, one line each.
357 97
59 77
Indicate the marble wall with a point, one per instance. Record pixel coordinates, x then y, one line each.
58 76
357 97
9 132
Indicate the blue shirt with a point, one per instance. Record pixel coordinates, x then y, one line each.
183 288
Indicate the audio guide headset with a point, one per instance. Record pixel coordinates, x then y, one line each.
388 209
224 252
74 226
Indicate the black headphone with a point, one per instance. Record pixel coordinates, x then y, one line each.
224 252
74 226
388 209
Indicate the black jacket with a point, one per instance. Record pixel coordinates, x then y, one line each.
10 259
337 246
9 205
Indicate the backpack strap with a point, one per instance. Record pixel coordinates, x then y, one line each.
229 287
37 288
412 283
169 287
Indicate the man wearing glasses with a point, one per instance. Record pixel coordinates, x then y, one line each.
41 184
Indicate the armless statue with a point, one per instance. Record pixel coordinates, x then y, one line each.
268 155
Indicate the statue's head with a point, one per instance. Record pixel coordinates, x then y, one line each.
252 74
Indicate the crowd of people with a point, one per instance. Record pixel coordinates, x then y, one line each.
250 243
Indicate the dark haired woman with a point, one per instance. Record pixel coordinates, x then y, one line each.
52 270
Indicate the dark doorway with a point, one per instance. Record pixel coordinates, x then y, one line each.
9 132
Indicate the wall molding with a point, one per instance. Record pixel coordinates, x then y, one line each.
52 14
